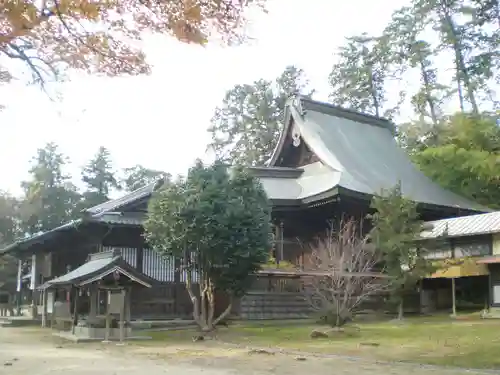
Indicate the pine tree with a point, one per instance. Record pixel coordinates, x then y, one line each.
396 227
99 177
50 198
246 127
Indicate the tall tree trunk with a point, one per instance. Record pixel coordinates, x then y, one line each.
460 91
337 323
194 299
373 92
459 57
203 301
211 305
225 313
428 91
400 309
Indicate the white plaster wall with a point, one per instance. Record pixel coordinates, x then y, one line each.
496 244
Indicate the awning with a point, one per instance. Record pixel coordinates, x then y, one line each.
489 260
455 268
98 267
305 273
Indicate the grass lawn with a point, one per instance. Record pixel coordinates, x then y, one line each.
463 342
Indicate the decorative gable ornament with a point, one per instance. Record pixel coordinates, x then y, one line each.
295 136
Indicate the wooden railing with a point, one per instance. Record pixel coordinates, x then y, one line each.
276 284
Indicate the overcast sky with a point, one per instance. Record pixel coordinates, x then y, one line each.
160 120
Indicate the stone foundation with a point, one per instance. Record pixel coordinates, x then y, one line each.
100 333
274 305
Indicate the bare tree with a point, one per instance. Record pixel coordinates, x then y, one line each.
341 273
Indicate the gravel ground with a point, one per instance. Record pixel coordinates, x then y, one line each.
24 353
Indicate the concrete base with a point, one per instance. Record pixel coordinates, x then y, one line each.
75 338
156 324
492 313
19 321
99 333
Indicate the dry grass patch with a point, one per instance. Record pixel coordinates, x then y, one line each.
466 342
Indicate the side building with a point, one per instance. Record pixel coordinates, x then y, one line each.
467 251
328 164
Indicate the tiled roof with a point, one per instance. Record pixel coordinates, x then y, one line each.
106 212
114 204
89 268
119 218
472 225
361 154
98 266
125 218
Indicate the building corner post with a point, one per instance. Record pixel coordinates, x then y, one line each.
453 298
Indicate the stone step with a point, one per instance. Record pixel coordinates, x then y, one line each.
19 321
158 324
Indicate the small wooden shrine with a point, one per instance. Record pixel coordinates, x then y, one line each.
94 298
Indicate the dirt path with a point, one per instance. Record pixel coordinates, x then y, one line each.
23 352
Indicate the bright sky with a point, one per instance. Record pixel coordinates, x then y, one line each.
160 120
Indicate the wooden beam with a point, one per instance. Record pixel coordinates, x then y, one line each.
75 310
122 315
281 240
53 313
44 307
453 298
108 319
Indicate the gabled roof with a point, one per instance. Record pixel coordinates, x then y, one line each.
96 268
132 197
357 153
473 225
106 212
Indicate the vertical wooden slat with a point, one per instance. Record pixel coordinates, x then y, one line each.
128 253
177 280
139 258
19 274
157 266
281 238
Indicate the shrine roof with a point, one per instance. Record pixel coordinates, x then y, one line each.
96 268
106 217
132 197
358 154
315 179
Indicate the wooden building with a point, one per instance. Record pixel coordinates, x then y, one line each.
468 252
329 162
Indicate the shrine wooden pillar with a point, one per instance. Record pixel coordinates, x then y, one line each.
122 314
94 302
44 307
453 298
280 237
19 286
75 309
107 330
33 286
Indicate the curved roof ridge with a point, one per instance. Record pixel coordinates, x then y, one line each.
367 158
113 204
335 110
